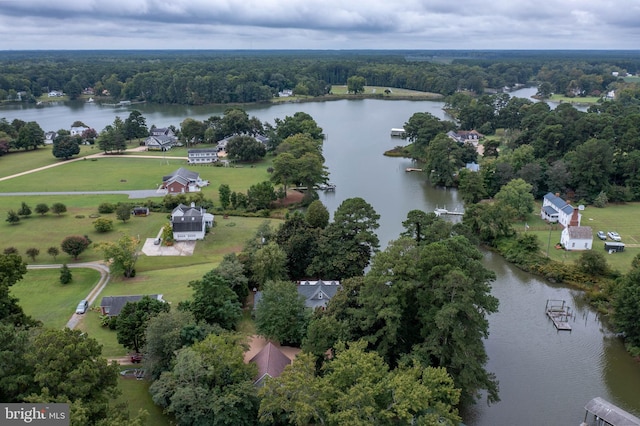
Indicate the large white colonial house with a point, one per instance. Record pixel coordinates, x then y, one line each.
574 236
202 156
189 223
556 210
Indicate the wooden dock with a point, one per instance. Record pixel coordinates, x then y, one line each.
444 211
559 313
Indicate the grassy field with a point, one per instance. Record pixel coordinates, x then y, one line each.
135 393
377 90
20 161
619 218
579 100
43 297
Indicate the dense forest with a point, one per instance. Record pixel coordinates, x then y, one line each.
205 77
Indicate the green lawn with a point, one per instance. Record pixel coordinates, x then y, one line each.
131 173
43 297
575 100
135 393
20 161
620 218
380 90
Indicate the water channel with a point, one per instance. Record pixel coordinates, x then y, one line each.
546 377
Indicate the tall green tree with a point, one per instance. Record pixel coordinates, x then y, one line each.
517 195
224 193
132 321
68 366
355 84
269 263
135 126
214 302
627 307
317 215
245 149
30 136
232 270
121 254
471 186
210 384
347 244
74 245
65 146
442 160
357 388
12 269
261 195
281 314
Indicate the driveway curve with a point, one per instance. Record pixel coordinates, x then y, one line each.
105 275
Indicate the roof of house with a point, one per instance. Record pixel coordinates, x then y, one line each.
317 293
202 150
270 362
549 210
116 303
580 232
160 140
559 203
189 219
184 173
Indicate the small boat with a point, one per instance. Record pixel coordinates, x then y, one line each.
412 169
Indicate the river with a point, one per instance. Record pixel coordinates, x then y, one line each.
546 377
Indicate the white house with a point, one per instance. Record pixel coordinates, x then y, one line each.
160 142
55 94
576 237
78 131
555 209
202 156
189 223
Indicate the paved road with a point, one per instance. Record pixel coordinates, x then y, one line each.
105 275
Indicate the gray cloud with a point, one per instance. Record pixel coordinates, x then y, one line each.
317 24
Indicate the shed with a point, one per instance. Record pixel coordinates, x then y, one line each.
604 411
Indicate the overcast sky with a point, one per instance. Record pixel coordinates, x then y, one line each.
319 24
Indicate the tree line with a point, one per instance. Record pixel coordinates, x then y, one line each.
205 77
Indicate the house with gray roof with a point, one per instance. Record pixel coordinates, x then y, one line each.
556 210
182 181
576 237
316 293
202 156
190 223
112 305
160 142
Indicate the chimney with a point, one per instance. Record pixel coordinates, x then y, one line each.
575 219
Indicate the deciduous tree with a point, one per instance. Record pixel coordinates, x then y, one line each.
41 209
12 217
281 314
58 208
123 212
24 210
214 301
32 252
65 146
74 245
131 324
122 255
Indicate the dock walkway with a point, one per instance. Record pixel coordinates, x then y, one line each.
559 313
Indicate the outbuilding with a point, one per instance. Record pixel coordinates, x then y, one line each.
613 247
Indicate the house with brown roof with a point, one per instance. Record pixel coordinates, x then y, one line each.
271 362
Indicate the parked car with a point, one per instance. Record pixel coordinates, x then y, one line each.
82 307
136 358
614 236
602 235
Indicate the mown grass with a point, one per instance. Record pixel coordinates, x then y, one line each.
135 393
43 297
621 218
21 161
575 100
131 173
380 90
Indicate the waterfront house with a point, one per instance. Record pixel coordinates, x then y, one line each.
556 210
202 156
316 293
271 362
160 142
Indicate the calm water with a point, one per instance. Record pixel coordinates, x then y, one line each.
545 377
